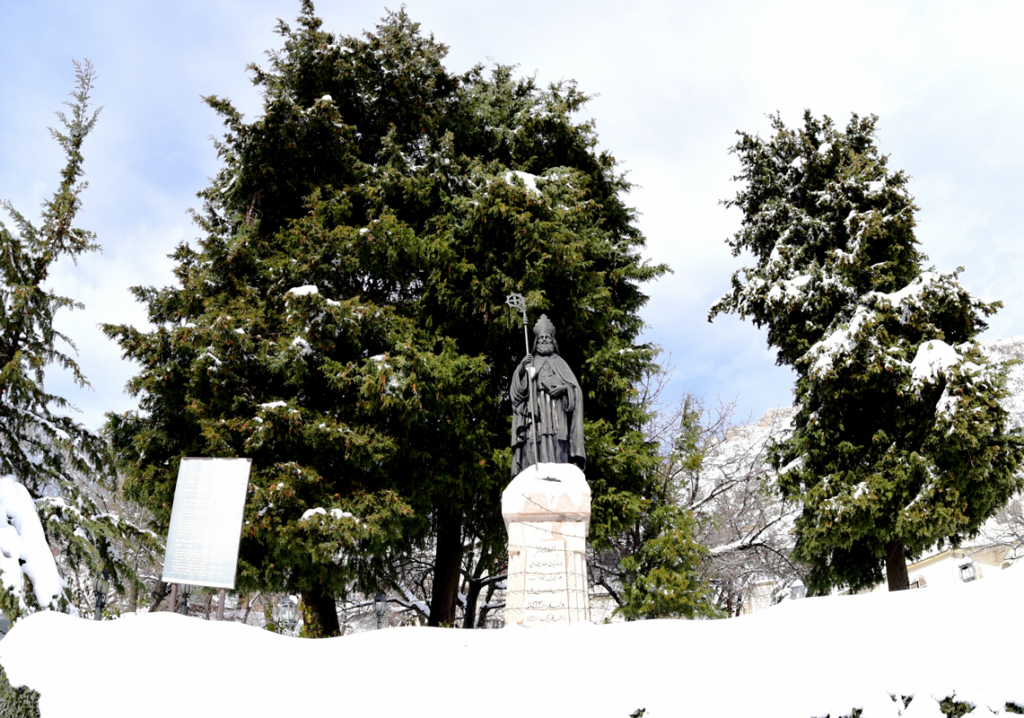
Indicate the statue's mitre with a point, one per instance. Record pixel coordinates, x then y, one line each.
544 326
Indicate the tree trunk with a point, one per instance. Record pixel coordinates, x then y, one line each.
447 560
324 612
481 621
476 586
162 591
472 595
248 606
896 567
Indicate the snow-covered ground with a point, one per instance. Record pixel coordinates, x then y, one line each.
809 657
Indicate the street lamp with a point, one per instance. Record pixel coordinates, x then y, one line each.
99 587
186 591
798 590
380 604
288 612
968 571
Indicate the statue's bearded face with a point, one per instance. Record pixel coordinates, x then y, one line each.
545 344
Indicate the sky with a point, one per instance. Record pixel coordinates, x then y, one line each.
808 657
672 83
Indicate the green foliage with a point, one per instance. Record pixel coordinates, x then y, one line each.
310 626
389 185
953 708
92 536
887 454
656 567
950 707
17 702
687 455
663 578
269 623
63 465
15 606
37 445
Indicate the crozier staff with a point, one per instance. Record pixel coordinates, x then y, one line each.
554 416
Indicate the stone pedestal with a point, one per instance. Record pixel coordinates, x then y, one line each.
547 513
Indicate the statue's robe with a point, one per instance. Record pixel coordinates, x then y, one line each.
559 421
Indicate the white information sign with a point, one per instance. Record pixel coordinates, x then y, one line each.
206 522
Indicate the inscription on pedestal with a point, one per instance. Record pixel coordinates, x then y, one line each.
547 583
546 600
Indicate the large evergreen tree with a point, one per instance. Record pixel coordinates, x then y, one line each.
899 441
343 321
54 456
38 444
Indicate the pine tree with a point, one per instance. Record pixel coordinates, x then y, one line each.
49 452
900 441
662 577
343 321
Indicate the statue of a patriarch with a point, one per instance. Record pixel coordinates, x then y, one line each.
554 416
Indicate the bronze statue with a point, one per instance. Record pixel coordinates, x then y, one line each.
547 405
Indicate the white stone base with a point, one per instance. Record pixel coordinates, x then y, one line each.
547 513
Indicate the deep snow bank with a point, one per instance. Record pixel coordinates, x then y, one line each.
803 658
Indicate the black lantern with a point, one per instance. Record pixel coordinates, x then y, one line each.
288 612
99 587
380 604
968 571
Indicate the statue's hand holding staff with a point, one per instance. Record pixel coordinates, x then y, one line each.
526 365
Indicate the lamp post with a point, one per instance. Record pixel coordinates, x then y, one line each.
99 587
798 590
288 612
186 591
380 604
968 571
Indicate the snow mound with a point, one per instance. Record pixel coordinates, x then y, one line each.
542 475
24 550
547 492
933 358
528 179
803 658
320 511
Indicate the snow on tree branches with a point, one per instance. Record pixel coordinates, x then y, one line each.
59 462
413 201
36 444
24 552
900 441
